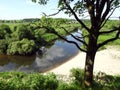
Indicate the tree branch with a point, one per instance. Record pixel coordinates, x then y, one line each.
76 17
51 30
110 31
108 17
82 36
106 11
101 7
73 42
75 37
53 13
110 40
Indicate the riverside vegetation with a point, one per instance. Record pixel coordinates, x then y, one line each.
26 38
37 81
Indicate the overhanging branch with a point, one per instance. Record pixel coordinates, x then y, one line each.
76 17
51 30
76 38
70 42
109 40
53 13
110 31
108 16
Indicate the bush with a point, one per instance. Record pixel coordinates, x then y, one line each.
107 81
6 28
3 46
42 82
22 31
4 31
78 74
37 81
49 37
23 81
71 86
23 47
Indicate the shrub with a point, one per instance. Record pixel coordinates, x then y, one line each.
3 46
4 31
49 37
71 86
6 28
42 82
23 81
107 81
78 74
23 47
22 31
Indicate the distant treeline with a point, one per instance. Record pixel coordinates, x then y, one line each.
20 21
29 20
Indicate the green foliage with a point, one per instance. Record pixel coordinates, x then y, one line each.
14 35
42 2
5 27
49 37
11 80
42 82
37 81
78 74
46 21
4 31
3 46
108 26
50 22
21 32
22 47
70 86
23 81
102 81
78 6
107 82
38 33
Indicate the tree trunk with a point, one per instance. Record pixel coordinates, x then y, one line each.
89 64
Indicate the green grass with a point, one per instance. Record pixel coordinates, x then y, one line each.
12 25
37 81
49 37
23 81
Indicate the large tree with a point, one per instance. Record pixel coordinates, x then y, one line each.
99 11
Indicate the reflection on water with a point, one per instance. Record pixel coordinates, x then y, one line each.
58 53
13 63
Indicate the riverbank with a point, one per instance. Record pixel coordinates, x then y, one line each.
107 60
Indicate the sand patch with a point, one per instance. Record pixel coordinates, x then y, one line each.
107 61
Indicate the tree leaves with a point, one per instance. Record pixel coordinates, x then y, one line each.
41 2
22 47
33 0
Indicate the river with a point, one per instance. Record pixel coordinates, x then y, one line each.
55 55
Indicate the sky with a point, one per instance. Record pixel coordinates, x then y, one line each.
20 9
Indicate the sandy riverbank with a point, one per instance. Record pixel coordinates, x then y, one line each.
107 61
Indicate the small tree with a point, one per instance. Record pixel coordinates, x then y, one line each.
99 12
